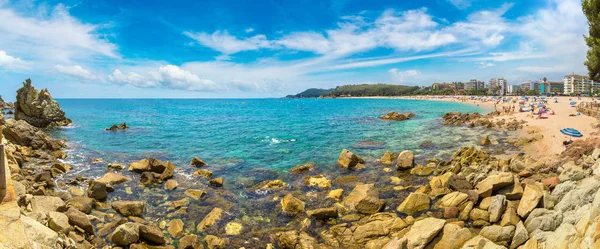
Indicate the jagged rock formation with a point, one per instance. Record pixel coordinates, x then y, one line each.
5 105
397 116
38 108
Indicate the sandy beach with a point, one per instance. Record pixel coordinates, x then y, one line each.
552 143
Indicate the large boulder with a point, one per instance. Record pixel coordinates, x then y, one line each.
210 219
291 205
42 236
80 219
498 234
397 116
406 160
21 133
126 234
423 231
38 108
113 179
414 202
58 222
531 198
129 208
452 237
47 204
364 198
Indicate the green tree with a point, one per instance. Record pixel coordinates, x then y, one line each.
591 9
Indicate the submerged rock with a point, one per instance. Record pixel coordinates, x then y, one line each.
397 116
291 205
38 108
210 219
303 168
122 126
129 208
197 162
126 234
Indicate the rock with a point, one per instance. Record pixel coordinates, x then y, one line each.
126 234
59 154
423 231
113 179
531 198
116 166
480 216
210 219
459 183
572 173
58 222
543 220
323 213
203 173
498 234
291 205
319 181
453 199
405 160
414 202
217 182
397 116
129 208
122 126
303 168
551 182
21 133
43 236
336 194
480 242
214 242
152 234
190 241
510 217
140 166
175 228
388 158
38 108
195 194
81 203
349 160
521 236
97 190
45 204
171 184
295 240
80 219
452 237
422 170
497 208
451 212
492 183
233 228
197 162
364 198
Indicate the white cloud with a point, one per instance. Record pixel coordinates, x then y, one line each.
403 76
461 4
483 64
541 69
249 30
10 62
225 43
76 71
56 37
131 78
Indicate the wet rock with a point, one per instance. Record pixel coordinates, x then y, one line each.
152 234
233 228
405 160
210 219
80 219
195 194
498 234
350 160
397 116
129 208
531 198
291 205
97 190
296 240
423 231
81 203
323 213
116 166
203 173
485 141
38 108
414 202
175 228
171 184
319 181
197 162
388 158
125 234
214 242
336 194
275 184
303 168
59 154
115 127
190 241
364 198
217 182
113 179
58 222
422 170
140 166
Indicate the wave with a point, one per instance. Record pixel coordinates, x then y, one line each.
274 140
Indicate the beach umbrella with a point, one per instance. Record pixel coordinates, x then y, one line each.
571 132
540 105
573 103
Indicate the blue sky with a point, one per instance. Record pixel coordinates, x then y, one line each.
249 48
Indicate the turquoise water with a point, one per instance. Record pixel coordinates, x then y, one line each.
250 133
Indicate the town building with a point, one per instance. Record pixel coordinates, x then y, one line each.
577 84
530 85
497 86
459 85
556 87
442 86
513 89
474 85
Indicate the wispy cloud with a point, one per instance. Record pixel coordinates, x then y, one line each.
77 72
461 4
403 76
9 62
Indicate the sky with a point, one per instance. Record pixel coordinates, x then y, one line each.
271 48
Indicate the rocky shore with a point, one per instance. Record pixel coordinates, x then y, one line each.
471 200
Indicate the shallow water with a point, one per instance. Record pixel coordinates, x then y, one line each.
253 140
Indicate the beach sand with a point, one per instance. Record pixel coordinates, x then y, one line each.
552 143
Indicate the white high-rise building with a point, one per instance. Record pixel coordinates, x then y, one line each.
576 84
498 86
